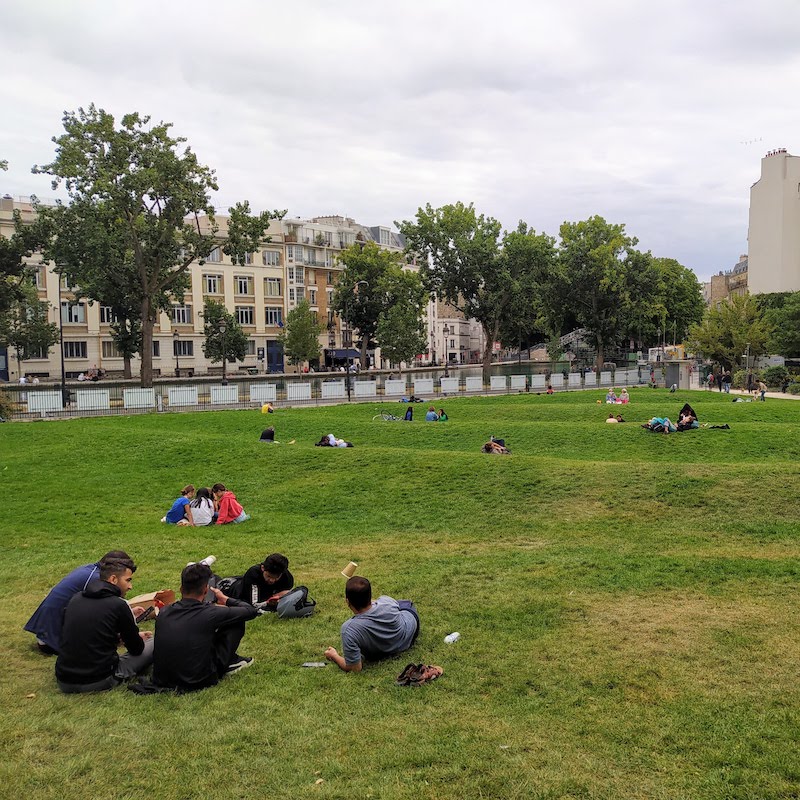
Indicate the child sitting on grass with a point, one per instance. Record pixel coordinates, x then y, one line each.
228 507
181 513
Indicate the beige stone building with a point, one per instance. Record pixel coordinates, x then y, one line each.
301 261
725 285
774 229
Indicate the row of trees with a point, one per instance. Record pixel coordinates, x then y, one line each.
139 213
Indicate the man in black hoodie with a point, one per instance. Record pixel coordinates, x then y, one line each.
196 641
94 622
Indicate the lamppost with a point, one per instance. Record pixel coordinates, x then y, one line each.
64 392
446 331
350 348
175 339
222 327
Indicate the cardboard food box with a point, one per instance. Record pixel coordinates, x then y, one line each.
152 602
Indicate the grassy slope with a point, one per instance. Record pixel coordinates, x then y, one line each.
626 602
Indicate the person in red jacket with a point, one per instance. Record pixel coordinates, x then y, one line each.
228 507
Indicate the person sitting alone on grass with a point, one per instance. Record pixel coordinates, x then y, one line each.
227 506
376 630
268 435
549 389
196 642
47 620
95 620
431 416
181 513
409 417
202 508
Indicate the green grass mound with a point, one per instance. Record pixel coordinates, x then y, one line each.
626 601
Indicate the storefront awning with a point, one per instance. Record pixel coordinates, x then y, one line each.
344 353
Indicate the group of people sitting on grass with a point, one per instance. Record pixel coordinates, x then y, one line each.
204 506
622 399
433 416
84 619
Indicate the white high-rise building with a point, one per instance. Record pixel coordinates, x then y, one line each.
774 232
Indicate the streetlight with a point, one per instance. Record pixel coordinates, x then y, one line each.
64 390
175 338
222 327
446 330
350 348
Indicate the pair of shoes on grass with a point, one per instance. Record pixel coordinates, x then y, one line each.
417 674
238 663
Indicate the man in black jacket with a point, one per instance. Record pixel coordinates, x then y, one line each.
94 622
196 641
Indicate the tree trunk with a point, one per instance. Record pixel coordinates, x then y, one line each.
487 351
363 359
600 357
148 323
126 367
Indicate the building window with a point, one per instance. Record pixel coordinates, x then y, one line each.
291 294
328 238
330 279
110 350
107 316
299 275
244 284
272 287
215 256
312 296
329 293
309 276
156 348
274 316
245 315
182 347
251 347
181 315
290 252
73 313
212 284
384 237
315 316
290 274
74 349
301 293
298 253
270 258
36 353
39 277
452 343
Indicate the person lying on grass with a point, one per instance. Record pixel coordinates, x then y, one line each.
376 630
329 440
94 622
496 447
196 642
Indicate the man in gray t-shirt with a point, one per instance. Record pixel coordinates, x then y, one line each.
376 630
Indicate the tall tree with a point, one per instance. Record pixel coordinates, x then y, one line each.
402 332
300 335
782 312
606 283
360 296
529 259
227 346
15 250
680 297
462 264
138 197
727 330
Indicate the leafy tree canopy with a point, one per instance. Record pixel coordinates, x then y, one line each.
300 335
232 344
402 333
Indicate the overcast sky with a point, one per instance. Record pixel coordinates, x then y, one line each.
652 114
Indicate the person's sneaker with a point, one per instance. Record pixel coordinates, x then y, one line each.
239 663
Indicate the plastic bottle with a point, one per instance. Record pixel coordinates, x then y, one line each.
452 637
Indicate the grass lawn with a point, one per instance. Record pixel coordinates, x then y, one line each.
627 602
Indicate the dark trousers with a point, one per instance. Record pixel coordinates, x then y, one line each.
226 641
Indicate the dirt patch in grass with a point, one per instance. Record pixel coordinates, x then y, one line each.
744 644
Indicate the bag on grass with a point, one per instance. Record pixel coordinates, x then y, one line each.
295 604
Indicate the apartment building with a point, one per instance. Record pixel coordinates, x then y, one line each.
774 229
300 261
727 284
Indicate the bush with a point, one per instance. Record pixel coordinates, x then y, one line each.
6 406
775 376
740 379
794 388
